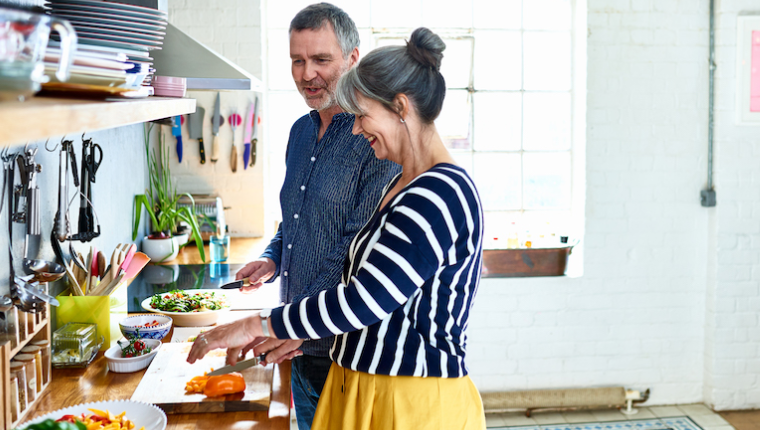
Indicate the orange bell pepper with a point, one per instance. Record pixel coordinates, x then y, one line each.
196 385
224 384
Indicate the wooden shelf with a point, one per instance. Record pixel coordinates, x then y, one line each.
41 117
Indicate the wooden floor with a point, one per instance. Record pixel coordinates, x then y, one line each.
743 420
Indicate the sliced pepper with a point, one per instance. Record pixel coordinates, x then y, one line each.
224 384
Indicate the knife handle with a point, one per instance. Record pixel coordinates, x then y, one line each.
202 150
254 141
179 148
215 149
246 155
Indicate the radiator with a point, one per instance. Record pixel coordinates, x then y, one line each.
554 399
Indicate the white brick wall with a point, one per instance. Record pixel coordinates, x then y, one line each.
232 29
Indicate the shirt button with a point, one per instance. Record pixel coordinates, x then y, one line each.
295 216
303 187
313 158
285 273
290 245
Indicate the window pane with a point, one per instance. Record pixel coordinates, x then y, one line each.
547 121
454 121
497 177
547 180
498 60
547 15
547 61
397 14
447 13
463 160
503 14
456 65
498 121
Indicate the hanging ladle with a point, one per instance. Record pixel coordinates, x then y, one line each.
43 271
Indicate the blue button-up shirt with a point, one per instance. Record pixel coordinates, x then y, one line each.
332 186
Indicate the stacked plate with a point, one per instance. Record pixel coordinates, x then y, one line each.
169 86
108 29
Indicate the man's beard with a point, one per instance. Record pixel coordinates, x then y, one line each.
328 99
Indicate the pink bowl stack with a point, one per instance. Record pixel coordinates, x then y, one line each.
169 86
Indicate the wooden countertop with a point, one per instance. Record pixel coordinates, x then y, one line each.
242 251
95 383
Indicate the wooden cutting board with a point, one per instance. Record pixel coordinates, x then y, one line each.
164 383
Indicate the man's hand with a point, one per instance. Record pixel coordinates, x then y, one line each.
257 271
278 350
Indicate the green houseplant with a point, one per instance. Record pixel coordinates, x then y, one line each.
160 202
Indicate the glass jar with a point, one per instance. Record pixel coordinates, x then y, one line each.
36 351
30 368
19 371
14 397
46 363
10 327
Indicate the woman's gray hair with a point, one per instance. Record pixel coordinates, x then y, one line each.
315 16
413 70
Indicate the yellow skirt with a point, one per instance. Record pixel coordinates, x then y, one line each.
361 401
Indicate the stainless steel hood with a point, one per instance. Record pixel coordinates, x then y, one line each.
182 56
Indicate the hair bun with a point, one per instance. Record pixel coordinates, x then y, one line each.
426 48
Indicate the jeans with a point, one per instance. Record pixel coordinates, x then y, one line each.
308 375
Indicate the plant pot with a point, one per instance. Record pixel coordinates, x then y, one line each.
160 250
182 238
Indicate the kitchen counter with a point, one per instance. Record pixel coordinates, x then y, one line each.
95 383
242 251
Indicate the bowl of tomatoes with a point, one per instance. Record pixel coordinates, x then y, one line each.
131 354
146 326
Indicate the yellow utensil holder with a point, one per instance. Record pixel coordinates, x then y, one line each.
105 311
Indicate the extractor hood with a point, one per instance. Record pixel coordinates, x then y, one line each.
184 57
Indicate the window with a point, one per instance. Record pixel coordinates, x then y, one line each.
508 117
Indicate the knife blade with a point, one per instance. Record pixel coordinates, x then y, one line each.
248 131
239 366
196 130
255 133
177 132
216 121
236 284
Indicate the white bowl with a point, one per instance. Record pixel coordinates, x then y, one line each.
119 364
142 414
192 319
129 326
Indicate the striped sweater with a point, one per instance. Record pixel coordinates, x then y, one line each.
408 285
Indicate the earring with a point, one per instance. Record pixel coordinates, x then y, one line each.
402 120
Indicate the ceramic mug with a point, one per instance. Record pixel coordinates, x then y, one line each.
23 40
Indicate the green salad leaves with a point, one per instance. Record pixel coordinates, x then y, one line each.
184 301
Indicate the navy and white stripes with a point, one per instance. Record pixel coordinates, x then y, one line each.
408 285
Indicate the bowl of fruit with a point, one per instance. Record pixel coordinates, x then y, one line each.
146 326
131 354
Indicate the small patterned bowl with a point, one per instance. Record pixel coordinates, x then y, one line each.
129 326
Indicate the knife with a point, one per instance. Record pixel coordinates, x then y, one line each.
177 132
248 131
216 121
240 366
236 284
196 130
254 135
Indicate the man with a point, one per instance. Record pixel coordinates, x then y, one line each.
333 182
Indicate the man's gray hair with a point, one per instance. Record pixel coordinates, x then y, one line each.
315 16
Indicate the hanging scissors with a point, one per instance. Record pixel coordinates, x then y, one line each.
92 156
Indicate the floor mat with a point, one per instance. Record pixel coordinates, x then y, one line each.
674 423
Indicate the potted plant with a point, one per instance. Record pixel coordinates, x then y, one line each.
160 202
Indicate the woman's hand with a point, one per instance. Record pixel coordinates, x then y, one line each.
277 350
233 336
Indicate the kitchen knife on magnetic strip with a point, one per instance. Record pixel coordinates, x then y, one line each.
195 124
254 135
247 135
177 132
216 121
239 366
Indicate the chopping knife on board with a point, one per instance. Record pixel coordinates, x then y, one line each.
242 365
216 122
248 132
255 134
177 132
195 124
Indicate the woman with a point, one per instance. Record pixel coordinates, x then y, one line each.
412 271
